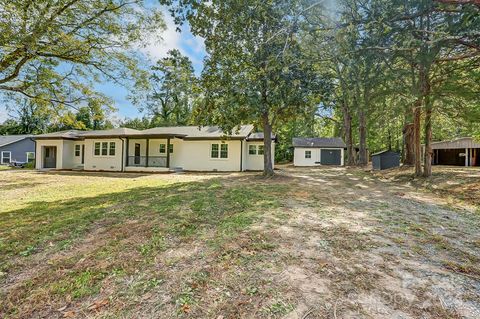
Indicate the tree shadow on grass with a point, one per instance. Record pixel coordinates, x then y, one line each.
99 174
145 217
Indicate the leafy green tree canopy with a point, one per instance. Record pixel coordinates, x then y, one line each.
255 69
171 92
53 51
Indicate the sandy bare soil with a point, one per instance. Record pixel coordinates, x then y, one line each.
377 248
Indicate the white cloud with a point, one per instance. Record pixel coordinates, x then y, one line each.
184 41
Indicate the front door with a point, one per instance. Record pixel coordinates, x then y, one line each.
50 157
137 154
83 154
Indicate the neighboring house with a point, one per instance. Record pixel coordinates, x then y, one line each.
16 148
318 151
158 149
463 151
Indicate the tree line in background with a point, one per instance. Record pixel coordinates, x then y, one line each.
382 74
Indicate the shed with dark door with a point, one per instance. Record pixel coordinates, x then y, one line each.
385 160
313 151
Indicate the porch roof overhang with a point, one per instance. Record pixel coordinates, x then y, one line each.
57 138
214 138
163 136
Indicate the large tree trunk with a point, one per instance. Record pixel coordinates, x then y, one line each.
362 130
267 145
417 112
347 126
427 171
408 142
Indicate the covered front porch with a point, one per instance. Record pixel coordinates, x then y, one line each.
151 154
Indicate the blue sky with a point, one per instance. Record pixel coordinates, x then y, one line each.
184 41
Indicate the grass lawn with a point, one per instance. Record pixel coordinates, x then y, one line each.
308 243
4 167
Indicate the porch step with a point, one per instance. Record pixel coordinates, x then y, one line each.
177 169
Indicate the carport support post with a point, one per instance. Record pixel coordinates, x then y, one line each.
466 157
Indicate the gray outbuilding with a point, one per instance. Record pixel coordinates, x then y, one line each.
16 149
385 159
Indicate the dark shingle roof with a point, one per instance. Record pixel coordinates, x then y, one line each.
70 134
335 142
189 132
120 132
259 137
9 139
192 132
385 152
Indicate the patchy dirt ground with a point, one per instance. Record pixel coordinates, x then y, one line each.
307 243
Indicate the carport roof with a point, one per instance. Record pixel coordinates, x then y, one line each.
334 142
459 143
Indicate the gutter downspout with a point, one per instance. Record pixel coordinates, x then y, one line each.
241 155
123 153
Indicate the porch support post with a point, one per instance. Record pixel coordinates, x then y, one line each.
168 152
128 144
148 146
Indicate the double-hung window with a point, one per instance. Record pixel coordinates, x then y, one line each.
6 157
219 150
104 149
111 149
214 151
255 149
308 154
260 149
223 150
77 150
163 148
30 157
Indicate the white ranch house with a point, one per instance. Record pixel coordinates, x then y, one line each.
160 149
